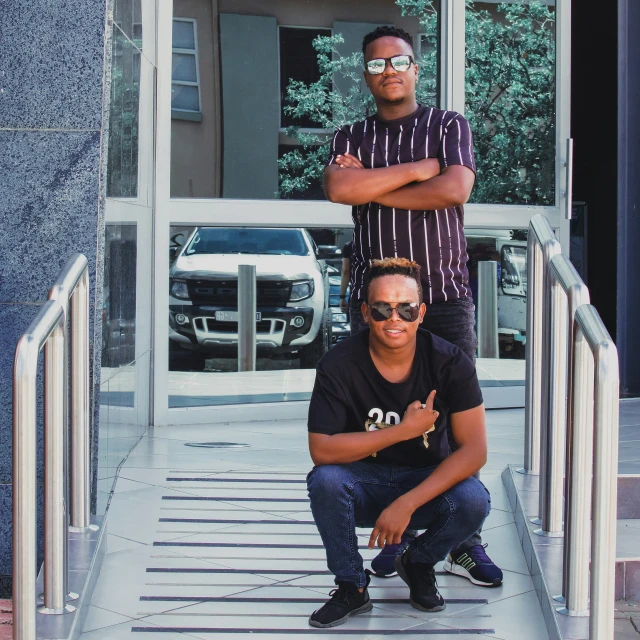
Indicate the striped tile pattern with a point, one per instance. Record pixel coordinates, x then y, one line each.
274 537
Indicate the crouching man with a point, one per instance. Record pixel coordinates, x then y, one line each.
378 438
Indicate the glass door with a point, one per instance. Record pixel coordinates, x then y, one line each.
248 98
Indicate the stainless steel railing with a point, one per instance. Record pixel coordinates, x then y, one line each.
68 300
571 427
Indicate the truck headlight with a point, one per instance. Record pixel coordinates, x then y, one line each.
301 290
179 289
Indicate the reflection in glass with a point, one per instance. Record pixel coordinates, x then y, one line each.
298 311
275 81
127 15
119 301
510 100
122 168
509 249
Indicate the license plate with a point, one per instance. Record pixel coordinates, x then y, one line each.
232 316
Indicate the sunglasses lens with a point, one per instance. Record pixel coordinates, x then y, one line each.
400 63
375 67
407 311
381 312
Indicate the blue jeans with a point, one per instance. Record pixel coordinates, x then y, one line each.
346 496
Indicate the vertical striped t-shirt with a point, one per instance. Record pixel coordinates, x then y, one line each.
434 239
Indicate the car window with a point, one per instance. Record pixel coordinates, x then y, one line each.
218 240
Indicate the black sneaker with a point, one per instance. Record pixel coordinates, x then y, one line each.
345 601
383 564
421 578
474 565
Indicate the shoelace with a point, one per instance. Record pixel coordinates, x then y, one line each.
339 595
478 555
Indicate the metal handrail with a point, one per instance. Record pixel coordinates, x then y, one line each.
541 247
48 331
572 393
593 495
565 293
71 289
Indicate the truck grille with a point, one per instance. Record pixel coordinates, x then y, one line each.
225 292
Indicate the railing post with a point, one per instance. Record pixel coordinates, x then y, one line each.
550 248
605 487
24 489
488 309
541 246
246 317
576 550
80 446
55 501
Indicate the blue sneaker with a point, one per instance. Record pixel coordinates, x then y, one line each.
382 565
475 565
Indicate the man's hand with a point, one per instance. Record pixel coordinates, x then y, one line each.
427 169
343 305
391 524
419 419
422 169
347 161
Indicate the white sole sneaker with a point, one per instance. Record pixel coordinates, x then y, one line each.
459 570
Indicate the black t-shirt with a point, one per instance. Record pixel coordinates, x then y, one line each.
350 395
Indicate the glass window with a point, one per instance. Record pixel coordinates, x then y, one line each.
122 170
185 85
298 64
510 100
298 311
275 80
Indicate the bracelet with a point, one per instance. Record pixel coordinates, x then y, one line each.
341 297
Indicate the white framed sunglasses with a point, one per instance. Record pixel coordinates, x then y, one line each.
399 63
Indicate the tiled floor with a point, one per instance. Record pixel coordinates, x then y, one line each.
220 543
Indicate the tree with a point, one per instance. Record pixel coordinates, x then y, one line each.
510 100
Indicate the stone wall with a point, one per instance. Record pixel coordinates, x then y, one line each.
52 63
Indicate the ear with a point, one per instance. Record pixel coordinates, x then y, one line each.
423 313
365 75
364 309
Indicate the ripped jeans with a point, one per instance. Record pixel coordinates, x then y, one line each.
346 496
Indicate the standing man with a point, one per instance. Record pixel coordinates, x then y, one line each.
407 172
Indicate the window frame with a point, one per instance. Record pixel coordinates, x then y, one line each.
187 114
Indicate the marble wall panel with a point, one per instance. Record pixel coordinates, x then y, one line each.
51 64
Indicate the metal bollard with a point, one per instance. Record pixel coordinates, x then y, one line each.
593 495
247 317
541 246
49 321
488 309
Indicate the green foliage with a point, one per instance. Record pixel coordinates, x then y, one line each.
510 102
510 98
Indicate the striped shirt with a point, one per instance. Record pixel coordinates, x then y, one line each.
434 239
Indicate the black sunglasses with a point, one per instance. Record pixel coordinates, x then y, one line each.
378 65
407 311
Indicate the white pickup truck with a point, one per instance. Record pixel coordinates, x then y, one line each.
292 304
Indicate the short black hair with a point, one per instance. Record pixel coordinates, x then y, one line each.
394 267
386 30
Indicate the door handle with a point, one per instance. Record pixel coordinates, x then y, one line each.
568 194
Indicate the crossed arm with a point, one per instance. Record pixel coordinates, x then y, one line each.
413 185
469 432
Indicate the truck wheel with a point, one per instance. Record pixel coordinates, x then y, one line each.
311 353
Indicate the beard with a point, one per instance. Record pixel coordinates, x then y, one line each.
393 101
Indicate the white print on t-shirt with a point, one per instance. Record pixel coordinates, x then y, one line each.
390 419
